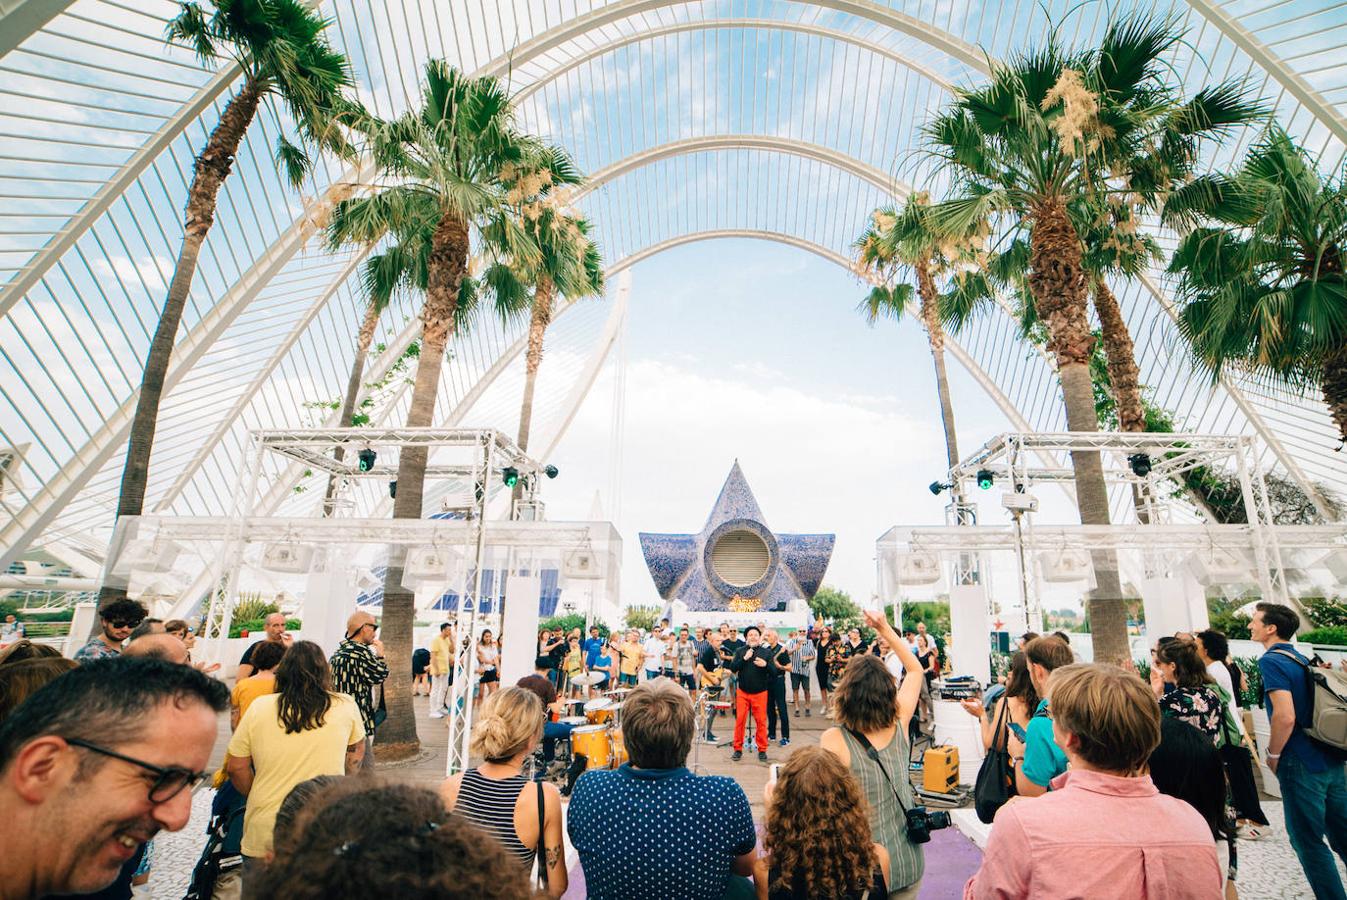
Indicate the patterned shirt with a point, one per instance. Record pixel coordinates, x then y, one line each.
1200 707
96 649
355 670
683 852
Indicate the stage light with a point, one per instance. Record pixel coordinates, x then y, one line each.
393 489
936 487
551 471
367 458
986 478
510 475
1140 464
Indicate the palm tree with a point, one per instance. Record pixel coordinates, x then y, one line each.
905 238
1261 270
280 46
378 284
1035 148
443 160
566 263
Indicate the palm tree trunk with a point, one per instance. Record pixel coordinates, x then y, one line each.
935 336
1057 280
533 358
448 264
1123 375
1334 387
212 168
364 338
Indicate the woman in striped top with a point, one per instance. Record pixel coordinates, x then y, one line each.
496 797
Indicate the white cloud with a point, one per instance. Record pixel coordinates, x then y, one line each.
817 462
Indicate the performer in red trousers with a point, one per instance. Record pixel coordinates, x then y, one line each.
753 666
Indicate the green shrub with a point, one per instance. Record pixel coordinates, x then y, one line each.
252 606
1252 695
571 622
1334 635
255 627
1325 612
642 617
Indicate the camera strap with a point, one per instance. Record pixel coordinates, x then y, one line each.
874 755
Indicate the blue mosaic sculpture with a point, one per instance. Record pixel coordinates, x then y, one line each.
777 568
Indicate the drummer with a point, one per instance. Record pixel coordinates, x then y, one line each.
541 684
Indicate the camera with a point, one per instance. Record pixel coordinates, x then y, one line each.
921 823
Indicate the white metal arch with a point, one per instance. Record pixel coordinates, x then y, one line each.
938 38
806 28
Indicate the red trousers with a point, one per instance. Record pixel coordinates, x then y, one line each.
757 705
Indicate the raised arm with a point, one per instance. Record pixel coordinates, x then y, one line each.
909 692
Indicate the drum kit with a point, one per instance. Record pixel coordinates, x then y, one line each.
598 733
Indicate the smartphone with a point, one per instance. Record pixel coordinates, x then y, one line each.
775 769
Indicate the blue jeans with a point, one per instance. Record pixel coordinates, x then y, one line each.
552 732
1315 806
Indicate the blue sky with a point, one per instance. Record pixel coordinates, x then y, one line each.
751 350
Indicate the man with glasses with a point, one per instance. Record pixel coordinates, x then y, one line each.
357 667
118 619
95 764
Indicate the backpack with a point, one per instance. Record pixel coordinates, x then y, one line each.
1328 704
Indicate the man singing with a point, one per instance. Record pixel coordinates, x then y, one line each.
752 664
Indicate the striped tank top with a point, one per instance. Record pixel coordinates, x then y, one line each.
888 826
489 804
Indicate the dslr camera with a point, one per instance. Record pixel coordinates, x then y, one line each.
921 823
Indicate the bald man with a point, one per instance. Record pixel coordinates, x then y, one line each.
158 645
357 666
276 633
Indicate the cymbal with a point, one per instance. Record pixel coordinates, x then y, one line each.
587 679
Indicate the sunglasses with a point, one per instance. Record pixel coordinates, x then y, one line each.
124 624
169 780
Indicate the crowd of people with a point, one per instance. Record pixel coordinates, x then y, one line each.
1121 786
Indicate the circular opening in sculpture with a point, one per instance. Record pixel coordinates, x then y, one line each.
740 558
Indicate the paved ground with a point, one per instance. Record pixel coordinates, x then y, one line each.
1268 868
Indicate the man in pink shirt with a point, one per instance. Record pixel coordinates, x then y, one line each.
1104 830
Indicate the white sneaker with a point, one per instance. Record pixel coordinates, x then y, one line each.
437 715
1252 832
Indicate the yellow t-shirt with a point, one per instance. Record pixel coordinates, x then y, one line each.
282 760
631 658
441 656
249 689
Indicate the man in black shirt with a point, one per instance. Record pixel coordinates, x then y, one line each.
711 675
752 663
776 691
730 645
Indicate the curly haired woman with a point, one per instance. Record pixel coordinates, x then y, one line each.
817 835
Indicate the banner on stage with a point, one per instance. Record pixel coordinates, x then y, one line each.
713 618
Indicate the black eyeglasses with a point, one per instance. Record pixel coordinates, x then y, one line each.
125 624
169 781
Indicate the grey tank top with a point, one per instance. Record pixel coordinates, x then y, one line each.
887 823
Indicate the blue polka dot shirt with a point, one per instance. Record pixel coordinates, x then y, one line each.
658 834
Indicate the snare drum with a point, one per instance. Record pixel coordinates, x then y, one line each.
619 749
599 710
593 742
575 721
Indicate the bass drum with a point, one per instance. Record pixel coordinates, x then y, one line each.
593 743
619 753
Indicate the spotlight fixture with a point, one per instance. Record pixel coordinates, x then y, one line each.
551 471
509 475
937 486
367 458
1140 464
393 489
986 478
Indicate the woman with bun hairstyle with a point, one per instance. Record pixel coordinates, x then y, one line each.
496 796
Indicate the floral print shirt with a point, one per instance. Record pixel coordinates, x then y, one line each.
1200 707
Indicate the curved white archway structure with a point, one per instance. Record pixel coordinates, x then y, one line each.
694 122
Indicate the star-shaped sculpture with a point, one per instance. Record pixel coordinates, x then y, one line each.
737 555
